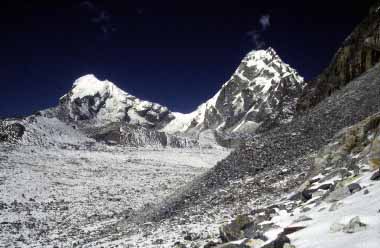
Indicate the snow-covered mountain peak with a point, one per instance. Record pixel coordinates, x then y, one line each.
89 85
102 102
262 90
261 55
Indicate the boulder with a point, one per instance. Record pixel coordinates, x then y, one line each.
354 187
234 230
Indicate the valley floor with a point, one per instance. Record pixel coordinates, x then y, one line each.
68 197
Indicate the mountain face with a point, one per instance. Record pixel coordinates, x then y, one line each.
358 53
99 103
262 92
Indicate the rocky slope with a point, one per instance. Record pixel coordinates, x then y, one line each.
262 92
270 167
359 52
336 206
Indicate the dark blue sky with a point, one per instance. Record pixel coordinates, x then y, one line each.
176 53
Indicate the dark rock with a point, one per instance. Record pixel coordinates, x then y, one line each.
326 186
279 242
290 230
366 192
354 187
210 244
306 195
191 237
158 242
179 245
376 176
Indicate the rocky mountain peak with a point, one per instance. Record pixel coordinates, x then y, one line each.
262 90
100 103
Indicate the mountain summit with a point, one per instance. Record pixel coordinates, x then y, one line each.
262 92
102 102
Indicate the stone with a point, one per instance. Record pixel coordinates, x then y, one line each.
354 187
179 245
355 225
376 176
210 244
306 195
293 229
158 242
234 230
279 242
191 237
326 186
366 192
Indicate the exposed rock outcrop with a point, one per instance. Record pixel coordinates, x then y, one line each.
359 52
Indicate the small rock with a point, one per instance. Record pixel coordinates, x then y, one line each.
158 242
327 186
366 192
179 245
306 195
376 176
293 229
355 225
354 187
191 237
211 244
279 242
